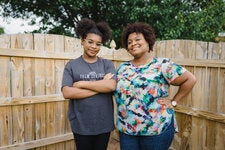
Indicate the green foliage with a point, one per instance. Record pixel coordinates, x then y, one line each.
171 19
2 30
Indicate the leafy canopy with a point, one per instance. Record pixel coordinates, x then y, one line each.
2 30
171 19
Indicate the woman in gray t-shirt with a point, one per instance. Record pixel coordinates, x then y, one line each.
89 82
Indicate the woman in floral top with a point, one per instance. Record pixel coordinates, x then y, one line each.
146 118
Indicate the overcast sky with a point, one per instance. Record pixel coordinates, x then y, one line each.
14 26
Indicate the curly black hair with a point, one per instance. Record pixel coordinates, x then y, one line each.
85 26
139 27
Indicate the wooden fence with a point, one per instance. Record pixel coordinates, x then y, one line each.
33 113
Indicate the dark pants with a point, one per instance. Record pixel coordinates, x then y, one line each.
155 142
91 142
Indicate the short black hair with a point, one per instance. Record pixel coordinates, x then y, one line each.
139 27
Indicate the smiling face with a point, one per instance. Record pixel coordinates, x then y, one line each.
91 45
137 45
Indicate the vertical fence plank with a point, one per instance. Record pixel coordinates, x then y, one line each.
219 135
21 41
201 99
50 64
212 89
222 49
39 66
210 136
61 113
50 123
17 76
28 90
5 111
199 90
182 139
201 50
62 107
39 69
198 133
189 49
178 50
71 46
220 91
62 122
204 104
18 124
5 77
68 144
219 138
59 66
202 75
5 41
169 48
50 89
215 51
6 137
29 125
160 48
28 76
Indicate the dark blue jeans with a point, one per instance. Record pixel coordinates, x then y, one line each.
91 142
155 142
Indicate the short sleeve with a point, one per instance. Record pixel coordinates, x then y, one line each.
67 79
171 70
109 68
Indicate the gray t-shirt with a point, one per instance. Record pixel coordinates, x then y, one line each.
92 115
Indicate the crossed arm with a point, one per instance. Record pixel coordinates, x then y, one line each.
84 89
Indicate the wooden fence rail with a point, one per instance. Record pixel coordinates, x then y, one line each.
33 113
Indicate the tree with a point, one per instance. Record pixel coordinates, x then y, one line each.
2 30
171 19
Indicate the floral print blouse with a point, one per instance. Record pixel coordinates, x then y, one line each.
137 91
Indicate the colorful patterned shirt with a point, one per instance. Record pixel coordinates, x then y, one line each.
137 91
